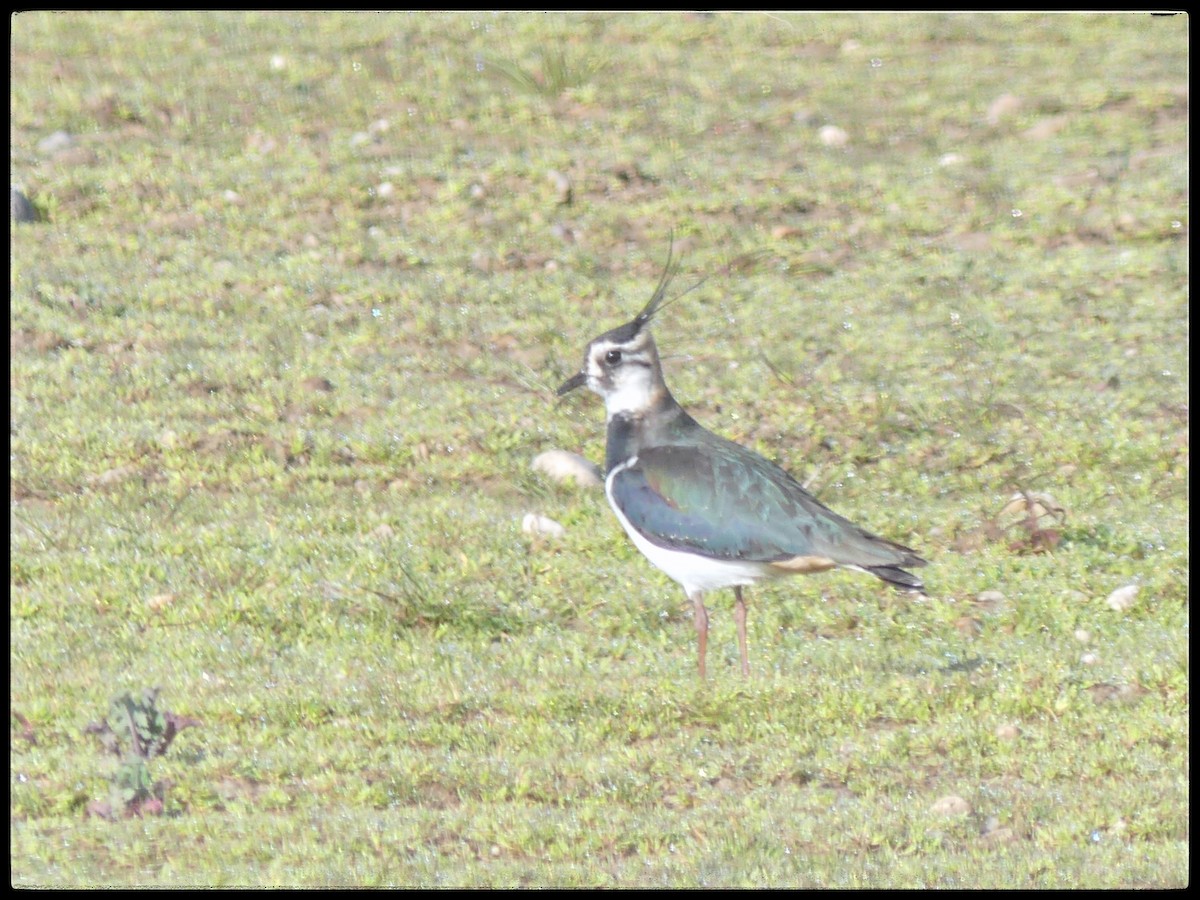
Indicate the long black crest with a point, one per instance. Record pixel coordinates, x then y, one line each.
656 303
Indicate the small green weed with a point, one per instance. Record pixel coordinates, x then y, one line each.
136 731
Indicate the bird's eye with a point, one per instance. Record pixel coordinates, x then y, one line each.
612 357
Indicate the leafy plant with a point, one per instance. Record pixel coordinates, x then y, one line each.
136 731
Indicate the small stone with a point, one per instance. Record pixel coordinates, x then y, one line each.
832 136
112 476
1083 635
950 159
999 836
383 532
1122 598
535 524
1008 731
101 809
1089 659
1002 107
990 600
1047 128
55 142
968 626
316 383
1008 411
1125 694
385 190
951 805
562 186
159 602
278 62
563 466
20 207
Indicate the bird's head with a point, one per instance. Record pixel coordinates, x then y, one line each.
622 365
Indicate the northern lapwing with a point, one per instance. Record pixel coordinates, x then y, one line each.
708 512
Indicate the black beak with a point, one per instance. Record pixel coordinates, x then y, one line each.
579 379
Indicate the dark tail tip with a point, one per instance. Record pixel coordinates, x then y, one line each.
897 577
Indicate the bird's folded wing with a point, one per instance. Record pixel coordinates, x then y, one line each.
715 500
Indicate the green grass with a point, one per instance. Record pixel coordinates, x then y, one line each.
285 344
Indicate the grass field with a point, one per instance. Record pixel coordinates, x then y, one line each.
284 345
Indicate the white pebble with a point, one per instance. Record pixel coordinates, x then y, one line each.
1122 598
832 136
990 598
535 524
55 142
562 465
951 805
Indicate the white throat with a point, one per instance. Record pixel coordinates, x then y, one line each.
632 397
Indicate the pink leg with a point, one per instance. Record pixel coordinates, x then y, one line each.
739 616
701 618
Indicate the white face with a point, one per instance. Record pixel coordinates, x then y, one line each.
626 375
